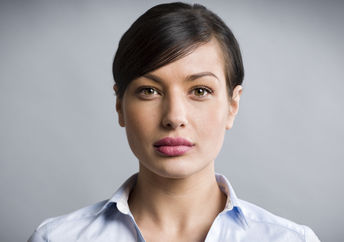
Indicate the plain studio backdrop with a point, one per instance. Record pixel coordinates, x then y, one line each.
61 145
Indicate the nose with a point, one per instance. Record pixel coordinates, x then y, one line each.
174 112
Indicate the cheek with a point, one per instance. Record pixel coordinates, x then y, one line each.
213 115
140 122
212 126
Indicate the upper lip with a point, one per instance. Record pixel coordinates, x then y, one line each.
170 141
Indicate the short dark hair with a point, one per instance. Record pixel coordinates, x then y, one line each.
168 32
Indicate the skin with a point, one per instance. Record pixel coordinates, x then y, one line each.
177 198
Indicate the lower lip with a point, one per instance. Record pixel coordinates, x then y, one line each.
173 150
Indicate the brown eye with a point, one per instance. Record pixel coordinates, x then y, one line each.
147 91
201 91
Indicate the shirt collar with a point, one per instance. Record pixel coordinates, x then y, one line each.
233 203
121 196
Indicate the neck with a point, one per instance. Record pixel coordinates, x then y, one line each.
193 201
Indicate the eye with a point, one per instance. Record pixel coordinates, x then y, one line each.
147 91
202 91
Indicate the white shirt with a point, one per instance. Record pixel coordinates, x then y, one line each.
111 220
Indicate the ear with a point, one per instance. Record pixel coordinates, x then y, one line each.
119 108
233 106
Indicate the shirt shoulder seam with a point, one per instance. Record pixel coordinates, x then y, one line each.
283 226
64 218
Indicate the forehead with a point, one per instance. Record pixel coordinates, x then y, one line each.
207 57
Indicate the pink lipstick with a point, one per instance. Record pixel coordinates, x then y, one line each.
173 146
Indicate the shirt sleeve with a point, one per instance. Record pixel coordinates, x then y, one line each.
310 236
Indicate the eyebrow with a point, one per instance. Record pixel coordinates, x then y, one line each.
191 77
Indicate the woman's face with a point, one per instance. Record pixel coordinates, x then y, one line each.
176 116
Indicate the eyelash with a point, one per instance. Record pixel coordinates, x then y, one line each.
206 89
145 88
141 89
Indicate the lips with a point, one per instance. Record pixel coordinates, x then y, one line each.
169 146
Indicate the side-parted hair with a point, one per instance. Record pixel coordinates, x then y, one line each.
168 32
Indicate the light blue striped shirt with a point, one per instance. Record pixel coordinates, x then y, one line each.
111 220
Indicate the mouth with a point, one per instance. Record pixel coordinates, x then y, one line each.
169 146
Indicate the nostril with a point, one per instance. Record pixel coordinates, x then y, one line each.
174 123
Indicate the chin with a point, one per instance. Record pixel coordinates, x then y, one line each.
176 169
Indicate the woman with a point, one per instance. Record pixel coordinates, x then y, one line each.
178 74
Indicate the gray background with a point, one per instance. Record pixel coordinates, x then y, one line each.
61 147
